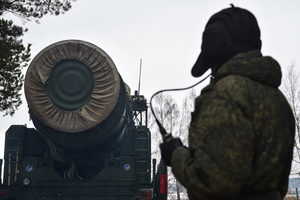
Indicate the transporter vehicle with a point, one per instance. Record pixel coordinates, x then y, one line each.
90 140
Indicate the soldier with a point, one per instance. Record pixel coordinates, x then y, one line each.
242 130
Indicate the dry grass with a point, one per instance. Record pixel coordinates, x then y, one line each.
290 198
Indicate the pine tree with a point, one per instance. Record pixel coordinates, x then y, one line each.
14 55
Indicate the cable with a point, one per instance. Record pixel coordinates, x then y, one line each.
168 136
55 153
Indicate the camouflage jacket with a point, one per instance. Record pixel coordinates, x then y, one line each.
241 135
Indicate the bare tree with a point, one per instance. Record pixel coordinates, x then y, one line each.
290 88
183 130
185 116
166 111
176 120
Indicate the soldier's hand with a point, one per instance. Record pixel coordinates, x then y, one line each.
167 149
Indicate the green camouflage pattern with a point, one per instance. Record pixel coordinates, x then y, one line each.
241 135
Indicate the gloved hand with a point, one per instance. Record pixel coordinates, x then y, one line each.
167 149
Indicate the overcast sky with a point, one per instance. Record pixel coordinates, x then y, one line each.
165 34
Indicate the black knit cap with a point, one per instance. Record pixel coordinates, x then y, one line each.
227 33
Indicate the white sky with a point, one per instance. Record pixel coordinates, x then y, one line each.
165 34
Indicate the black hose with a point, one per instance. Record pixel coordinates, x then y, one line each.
167 136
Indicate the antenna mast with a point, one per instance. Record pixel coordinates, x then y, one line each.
140 77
